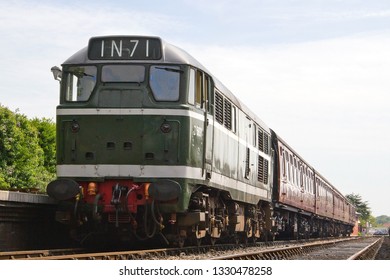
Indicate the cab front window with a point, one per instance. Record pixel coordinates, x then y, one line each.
165 82
123 73
80 82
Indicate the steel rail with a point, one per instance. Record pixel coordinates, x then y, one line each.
283 253
32 254
279 253
291 248
369 252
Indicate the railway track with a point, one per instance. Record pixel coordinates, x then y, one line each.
38 254
164 253
261 250
361 249
343 249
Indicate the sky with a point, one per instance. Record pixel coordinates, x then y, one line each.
315 71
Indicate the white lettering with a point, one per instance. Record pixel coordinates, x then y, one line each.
135 46
102 50
123 48
118 50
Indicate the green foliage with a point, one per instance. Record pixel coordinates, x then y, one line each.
47 141
361 207
27 151
372 221
383 219
364 211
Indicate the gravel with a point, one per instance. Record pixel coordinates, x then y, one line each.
384 251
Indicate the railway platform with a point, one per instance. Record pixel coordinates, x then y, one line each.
21 197
27 222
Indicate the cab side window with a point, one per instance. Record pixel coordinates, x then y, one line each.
191 87
199 89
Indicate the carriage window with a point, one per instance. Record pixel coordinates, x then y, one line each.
123 73
288 167
165 82
80 82
293 165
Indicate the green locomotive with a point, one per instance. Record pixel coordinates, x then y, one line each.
151 145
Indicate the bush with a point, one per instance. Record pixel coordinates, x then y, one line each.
27 151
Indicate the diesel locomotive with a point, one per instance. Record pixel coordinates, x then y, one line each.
150 145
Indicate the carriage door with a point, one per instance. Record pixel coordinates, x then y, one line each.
203 91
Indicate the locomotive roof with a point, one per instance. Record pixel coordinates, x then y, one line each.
171 55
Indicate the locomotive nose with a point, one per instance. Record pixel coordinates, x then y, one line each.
63 189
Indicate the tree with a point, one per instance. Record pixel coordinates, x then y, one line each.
383 219
47 141
24 160
19 153
361 207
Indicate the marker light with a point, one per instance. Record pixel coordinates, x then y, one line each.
146 186
75 127
92 188
166 127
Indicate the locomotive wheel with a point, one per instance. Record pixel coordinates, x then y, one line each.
196 241
244 238
196 237
180 242
236 239
213 240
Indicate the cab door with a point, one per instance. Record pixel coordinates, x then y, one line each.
200 88
208 126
